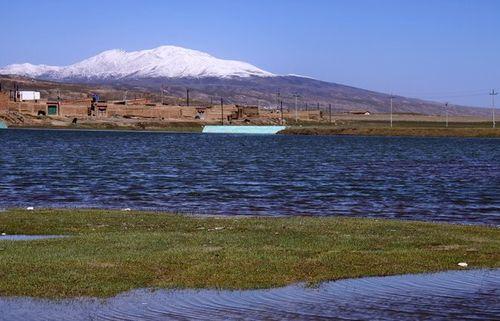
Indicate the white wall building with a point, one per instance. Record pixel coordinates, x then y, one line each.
24 95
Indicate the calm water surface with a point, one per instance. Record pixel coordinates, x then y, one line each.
462 295
442 179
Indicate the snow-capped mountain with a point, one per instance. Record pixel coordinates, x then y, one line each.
161 62
178 68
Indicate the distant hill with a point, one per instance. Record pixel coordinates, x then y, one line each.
173 70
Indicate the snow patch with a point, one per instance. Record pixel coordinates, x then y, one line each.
301 76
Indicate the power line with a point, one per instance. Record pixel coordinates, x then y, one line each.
438 93
443 95
452 96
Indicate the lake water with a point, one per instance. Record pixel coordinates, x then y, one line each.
459 295
440 179
23 237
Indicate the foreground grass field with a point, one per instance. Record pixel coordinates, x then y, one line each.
110 252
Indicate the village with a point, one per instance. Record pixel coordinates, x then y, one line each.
19 107
30 103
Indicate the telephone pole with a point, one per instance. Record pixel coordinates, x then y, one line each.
296 111
392 98
446 110
187 97
222 111
281 109
330 112
493 93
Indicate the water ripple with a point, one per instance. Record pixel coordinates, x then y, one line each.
439 179
463 295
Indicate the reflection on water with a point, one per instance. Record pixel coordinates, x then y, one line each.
459 295
22 237
443 179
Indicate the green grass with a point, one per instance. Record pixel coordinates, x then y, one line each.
110 251
395 131
400 128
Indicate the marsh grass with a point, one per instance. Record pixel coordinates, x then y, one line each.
113 251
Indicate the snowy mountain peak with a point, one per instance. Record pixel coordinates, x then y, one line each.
28 70
161 62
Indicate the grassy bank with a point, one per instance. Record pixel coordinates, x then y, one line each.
112 251
395 131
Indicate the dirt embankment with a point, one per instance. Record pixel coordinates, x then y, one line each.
417 132
19 120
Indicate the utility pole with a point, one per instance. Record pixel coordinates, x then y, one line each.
493 93
446 108
296 110
222 111
16 88
330 112
281 109
392 98
278 94
187 96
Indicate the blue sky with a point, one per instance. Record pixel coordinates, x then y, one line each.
440 50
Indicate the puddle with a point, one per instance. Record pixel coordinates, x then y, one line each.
450 295
22 237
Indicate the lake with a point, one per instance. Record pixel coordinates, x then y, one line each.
453 180
458 295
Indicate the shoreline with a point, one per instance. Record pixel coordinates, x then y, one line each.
118 130
111 251
177 128
291 130
394 132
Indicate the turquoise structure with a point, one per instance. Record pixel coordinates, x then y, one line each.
263 130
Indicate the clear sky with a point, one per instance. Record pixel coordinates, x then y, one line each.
441 50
